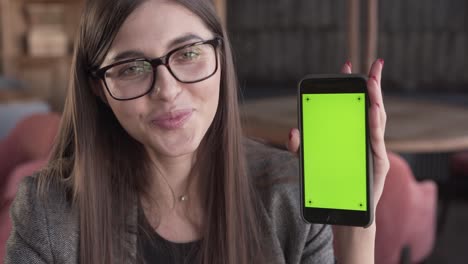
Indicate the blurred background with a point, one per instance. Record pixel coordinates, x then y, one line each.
424 42
276 42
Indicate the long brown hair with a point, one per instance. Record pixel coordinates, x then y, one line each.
106 170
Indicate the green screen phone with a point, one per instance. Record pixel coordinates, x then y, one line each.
335 156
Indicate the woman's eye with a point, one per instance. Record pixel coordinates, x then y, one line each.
190 55
134 70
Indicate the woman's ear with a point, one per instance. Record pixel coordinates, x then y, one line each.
98 90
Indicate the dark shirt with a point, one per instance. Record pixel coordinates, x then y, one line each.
156 249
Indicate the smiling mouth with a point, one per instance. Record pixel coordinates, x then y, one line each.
173 120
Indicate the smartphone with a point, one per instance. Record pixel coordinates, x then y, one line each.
335 151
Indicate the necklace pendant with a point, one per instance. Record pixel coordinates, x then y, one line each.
183 198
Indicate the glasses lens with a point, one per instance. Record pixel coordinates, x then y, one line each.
193 63
130 79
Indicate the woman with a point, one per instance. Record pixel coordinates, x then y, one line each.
150 165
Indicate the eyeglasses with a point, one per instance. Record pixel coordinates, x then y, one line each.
133 78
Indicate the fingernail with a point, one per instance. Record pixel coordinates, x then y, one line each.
382 62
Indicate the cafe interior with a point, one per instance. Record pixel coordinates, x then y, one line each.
422 216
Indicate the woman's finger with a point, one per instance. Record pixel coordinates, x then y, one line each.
294 141
347 68
377 133
381 164
375 91
375 74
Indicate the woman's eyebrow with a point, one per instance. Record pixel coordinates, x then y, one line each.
183 39
127 55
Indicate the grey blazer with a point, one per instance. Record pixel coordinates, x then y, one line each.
49 233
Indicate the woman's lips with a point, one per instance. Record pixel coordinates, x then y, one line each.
172 120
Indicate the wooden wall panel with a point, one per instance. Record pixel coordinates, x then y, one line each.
424 42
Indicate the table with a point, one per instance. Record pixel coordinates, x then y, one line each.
430 129
413 126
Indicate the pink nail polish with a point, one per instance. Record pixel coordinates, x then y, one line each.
382 62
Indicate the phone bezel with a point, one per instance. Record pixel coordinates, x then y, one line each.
337 83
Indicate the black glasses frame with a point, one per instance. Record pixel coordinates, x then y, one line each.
164 60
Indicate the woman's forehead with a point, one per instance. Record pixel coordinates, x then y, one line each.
156 27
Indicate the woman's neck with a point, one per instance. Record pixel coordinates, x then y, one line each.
173 177
175 219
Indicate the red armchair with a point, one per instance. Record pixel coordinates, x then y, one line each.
23 151
406 216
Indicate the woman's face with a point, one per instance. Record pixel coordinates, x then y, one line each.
173 118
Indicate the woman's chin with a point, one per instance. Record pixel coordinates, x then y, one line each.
177 152
176 147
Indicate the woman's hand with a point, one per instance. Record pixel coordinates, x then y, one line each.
351 241
377 121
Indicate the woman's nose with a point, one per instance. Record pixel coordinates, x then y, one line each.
167 88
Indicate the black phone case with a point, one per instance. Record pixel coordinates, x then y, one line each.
370 178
